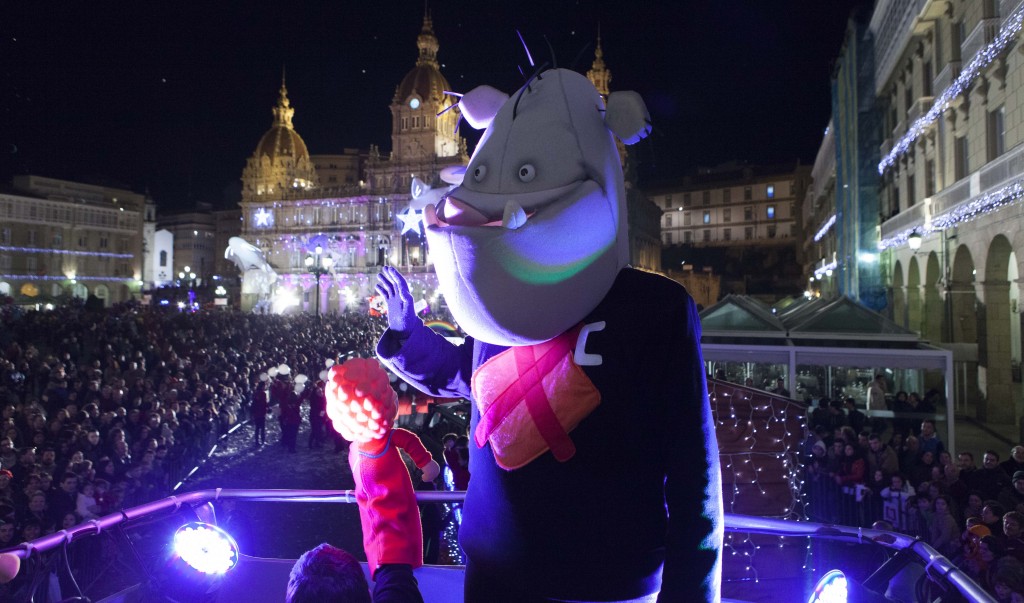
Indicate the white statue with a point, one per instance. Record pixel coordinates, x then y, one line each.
258 277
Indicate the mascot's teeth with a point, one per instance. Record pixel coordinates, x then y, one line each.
514 216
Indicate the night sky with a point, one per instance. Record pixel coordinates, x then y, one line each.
172 97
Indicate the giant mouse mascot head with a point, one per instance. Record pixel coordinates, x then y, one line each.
533 238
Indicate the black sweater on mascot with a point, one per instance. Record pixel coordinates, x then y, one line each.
597 526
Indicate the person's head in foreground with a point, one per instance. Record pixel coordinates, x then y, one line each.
327 574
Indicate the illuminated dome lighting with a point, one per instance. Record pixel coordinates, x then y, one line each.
206 548
832 588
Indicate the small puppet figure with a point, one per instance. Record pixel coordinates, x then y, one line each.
362 407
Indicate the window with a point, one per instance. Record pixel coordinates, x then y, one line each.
748 233
163 259
707 236
706 198
748 214
996 132
667 238
104 242
771 231
668 220
32 237
686 218
83 240
30 263
668 201
687 238
911 192
771 212
58 240
926 78
5 236
748 194
707 217
727 215
770 191
686 199
960 157
727 234
727 196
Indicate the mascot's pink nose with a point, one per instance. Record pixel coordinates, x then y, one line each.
458 213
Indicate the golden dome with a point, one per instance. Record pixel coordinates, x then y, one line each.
281 140
425 80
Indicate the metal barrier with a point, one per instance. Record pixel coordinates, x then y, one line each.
909 550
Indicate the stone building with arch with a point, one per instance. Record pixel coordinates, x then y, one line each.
949 80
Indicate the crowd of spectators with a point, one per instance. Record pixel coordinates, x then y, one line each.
101 410
899 476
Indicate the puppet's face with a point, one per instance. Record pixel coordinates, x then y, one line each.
532 240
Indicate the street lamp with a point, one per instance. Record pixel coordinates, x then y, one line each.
191 276
317 265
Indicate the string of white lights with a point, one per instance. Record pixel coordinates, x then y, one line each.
100 254
39 277
988 54
769 431
824 229
1009 194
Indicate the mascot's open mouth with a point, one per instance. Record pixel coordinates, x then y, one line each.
463 207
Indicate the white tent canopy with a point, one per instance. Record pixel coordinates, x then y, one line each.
823 348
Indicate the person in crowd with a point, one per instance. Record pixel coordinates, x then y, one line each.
881 456
854 417
944 532
929 439
1013 495
1013 539
894 501
327 573
258 412
992 516
922 471
990 480
1016 461
876 393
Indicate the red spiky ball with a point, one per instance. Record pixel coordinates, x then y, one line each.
360 402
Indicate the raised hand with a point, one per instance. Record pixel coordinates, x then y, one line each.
391 285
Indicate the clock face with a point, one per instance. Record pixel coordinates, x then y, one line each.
414 103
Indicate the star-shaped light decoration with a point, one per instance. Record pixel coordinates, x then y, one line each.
411 219
264 218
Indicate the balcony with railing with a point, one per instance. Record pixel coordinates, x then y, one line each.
951 200
983 34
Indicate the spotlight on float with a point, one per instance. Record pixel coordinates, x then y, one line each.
206 548
835 587
832 588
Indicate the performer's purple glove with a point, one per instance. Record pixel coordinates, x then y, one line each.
391 285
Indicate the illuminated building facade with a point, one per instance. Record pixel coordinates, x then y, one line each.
60 239
948 77
350 208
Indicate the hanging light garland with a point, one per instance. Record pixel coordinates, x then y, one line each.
99 254
36 277
824 229
989 202
988 54
758 437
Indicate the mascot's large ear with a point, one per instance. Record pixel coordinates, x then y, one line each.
627 117
453 174
480 105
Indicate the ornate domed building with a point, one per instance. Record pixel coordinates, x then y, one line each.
280 166
352 233
423 137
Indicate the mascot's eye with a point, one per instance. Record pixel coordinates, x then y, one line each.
479 172
527 173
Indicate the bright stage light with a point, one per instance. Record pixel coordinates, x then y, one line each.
832 588
206 548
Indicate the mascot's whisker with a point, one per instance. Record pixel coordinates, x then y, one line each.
529 56
526 88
